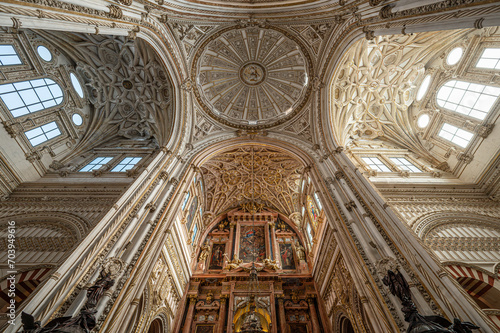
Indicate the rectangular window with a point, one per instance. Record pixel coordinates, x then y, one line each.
470 99
126 164
376 164
26 97
8 56
43 133
456 135
184 203
404 164
96 164
489 59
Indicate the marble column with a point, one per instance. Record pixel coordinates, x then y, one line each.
229 248
190 314
281 309
222 314
314 315
273 241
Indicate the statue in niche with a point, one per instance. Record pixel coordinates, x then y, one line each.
205 250
251 323
210 298
301 252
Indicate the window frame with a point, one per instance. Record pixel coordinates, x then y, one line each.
25 106
111 158
41 127
138 163
16 54
449 141
480 57
21 53
471 109
377 157
392 158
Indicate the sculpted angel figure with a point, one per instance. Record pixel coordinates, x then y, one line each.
271 264
232 264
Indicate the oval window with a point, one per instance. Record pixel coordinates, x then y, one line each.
454 56
423 120
423 87
77 119
44 53
76 84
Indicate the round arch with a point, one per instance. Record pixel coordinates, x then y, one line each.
156 326
428 222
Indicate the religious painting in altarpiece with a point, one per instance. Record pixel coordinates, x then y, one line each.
252 243
217 256
286 256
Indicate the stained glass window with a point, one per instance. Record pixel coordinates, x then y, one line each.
186 198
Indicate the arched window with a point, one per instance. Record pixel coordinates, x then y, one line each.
30 96
8 56
470 99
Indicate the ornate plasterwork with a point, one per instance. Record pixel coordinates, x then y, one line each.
189 35
228 179
127 85
251 77
375 86
203 126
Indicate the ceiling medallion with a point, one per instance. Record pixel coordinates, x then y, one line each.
251 77
252 74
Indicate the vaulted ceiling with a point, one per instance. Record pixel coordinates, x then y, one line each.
376 84
129 90
252 173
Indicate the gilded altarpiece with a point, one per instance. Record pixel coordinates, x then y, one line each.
220 296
